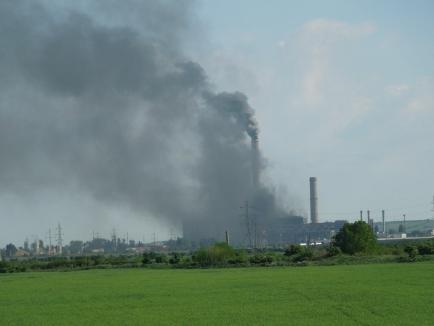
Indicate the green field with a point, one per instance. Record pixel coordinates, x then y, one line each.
377 294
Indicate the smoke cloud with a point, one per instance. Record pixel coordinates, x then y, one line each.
99 98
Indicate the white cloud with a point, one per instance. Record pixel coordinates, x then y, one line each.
281 44
317 44
420 98
423 103
397 90
337 29
327 89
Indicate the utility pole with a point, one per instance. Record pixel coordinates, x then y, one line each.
255 232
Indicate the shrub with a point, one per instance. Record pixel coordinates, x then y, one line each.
260 259
161 259
3 267
356 237
425 250
332 250
306 253
240 258
216 254
411 251
148 257
293 250
174 259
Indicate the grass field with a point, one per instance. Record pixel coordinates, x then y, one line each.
383 294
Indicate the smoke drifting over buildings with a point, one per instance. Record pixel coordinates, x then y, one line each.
108 104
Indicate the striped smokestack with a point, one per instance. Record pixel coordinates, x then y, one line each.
313 200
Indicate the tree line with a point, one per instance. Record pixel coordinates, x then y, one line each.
354 243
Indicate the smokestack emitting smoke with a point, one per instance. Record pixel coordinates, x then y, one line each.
101 102
313 200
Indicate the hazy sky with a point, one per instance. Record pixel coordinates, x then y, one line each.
343 90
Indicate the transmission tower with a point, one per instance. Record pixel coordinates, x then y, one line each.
59 239
248 223
50 244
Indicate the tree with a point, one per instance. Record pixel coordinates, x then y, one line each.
357 237
411 251
332 250
425 249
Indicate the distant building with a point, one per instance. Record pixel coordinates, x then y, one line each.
277 231
292 230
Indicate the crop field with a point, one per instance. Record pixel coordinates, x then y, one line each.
376 294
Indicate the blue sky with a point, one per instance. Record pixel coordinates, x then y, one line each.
343 90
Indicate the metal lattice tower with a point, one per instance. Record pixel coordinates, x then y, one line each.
50 245
248 223
59 239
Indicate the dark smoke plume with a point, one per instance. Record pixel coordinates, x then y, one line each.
99 97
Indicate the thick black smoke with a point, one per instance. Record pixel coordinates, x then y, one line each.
105 101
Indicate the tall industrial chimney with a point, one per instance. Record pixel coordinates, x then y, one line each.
255 161
313 200
384 221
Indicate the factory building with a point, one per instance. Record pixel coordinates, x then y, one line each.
292 229
264 231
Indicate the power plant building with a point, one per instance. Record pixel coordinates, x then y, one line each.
266 230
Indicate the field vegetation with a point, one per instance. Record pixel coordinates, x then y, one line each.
371 294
